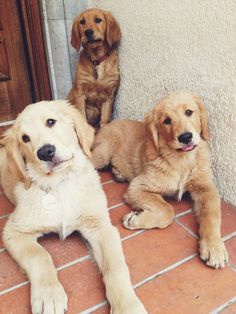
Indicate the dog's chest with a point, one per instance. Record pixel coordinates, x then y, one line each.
182 181
99 72
105 71
181 186
60 211
100 84
57 209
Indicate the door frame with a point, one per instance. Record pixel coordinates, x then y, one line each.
35 49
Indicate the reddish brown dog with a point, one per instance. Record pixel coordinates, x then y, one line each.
97 75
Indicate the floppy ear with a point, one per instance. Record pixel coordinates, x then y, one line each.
15 158
113 30
75 35
205 132
151 143
83 130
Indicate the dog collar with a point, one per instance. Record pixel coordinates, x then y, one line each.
100 60
96 62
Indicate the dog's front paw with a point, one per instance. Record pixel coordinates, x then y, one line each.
50 299
136 307
213 253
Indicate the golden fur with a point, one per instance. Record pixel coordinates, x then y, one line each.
94 97
150 156
54 195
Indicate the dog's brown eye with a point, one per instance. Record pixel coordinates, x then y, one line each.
188 112
25 138
97 20
50 122
82 22
167 121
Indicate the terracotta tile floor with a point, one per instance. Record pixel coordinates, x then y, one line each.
165 268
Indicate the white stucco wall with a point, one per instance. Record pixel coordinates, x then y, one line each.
184 44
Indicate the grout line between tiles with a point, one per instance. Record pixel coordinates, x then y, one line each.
188 211
93 308
133 235
229 236
115 206
4 216
222 307
107 182
6 123
74 262
186 228
232 267
165 270
24 283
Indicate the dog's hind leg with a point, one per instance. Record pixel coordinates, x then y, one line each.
101 155
102 149
150 210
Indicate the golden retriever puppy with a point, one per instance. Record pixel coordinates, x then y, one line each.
97 76
166 155
47 174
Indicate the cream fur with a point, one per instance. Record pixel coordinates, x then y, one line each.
57 198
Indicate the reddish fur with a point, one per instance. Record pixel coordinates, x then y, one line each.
94 97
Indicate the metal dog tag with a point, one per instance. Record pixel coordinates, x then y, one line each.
49 201
95 71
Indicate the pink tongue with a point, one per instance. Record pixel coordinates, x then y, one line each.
187 148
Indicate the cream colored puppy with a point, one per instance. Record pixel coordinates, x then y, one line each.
50 179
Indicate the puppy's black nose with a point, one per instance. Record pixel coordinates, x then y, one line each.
46 152
185 137
89 32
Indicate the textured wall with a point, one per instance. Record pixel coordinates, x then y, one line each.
185 44
57 17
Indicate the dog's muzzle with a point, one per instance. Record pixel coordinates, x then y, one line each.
46 152
185 138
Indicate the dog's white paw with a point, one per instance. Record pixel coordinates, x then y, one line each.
213 253
50 299
135 307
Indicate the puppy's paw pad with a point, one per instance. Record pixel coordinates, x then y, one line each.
214 253
48 299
